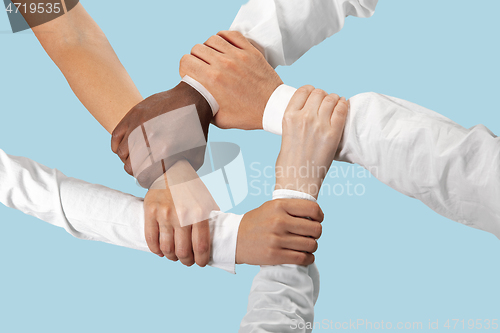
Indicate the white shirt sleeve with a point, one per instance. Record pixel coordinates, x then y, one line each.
286 29
282 297
83 209
420 153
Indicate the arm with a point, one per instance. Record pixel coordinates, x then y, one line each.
414 150
286 29
282 297
82 52
419 153
82 209
282 30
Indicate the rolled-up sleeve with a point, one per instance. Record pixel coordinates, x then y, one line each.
286 29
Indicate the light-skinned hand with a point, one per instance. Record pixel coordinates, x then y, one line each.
236 74
176 216
312 128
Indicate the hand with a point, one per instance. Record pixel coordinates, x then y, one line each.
171 135
236 74
312 128
273 234
173 214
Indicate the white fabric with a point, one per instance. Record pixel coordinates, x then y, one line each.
203 91
291 194
282 297
424 155
94 212
286 29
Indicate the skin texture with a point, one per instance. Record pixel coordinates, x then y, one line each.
312 128
236 74
154 106
282 239
83 54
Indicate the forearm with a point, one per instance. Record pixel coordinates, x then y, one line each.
82 52
418 152
422 154
286 29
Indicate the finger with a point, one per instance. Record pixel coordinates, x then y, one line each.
128 167
314 101
183 245
192 66
297 258
219 44
300 97
299 243
151 231
303 208
205 53
167 241
236 39
304 227
123 151
338 118
117 136
201 243
327 106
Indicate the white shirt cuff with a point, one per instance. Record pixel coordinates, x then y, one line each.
291 194
275 109
203 91
224 233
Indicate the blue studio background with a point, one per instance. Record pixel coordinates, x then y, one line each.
383 256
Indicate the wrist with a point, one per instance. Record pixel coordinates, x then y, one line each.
202 106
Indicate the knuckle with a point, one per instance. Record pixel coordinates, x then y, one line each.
317 230
315 210
216 78
307 89
277 204
274 241
271 254
329 99
214 39
235 33
342 109
151 209
243 56
167 248
312 245
164 211
202 247
319 92
197 49
184 60
151 241
182 253
300 258
278 224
